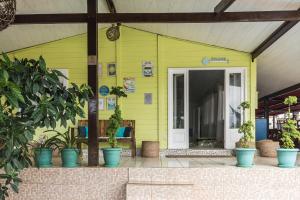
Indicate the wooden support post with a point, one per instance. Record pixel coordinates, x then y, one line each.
92 40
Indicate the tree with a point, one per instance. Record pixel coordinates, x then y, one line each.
31 96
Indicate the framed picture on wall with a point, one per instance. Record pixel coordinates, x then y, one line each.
111 69
129 84
147 67
147 98
111 103
101 104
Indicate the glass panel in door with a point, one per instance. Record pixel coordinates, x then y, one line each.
178 101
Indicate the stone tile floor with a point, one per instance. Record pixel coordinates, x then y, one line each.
163 162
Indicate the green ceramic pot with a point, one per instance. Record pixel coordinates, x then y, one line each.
245 157
112 156
43 157
69 157
287 157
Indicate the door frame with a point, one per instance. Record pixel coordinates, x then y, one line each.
171 72
185 71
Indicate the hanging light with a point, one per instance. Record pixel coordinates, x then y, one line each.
7 13
113 33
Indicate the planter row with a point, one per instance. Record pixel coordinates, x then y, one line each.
286 157
69 157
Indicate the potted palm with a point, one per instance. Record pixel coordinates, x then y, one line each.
43 149
245 154
66 142
113 153
287 153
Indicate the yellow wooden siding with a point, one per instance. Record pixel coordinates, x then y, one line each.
133 47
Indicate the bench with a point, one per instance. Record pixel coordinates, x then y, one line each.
102 137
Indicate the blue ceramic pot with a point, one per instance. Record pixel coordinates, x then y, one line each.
245 157
112 156
287 157
69 158
43 157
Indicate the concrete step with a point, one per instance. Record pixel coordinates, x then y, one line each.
158 191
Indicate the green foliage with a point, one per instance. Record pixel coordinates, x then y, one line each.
289 128
31 96
115 120
45 142
245 105
246 128
65 140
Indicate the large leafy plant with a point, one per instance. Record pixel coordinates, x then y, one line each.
115 120
289 128
31 96
246 128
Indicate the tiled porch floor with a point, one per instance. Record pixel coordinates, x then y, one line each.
163 162
192 162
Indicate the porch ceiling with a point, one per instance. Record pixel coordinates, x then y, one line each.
281 58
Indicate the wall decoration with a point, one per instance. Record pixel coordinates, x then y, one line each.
129 84
101 103
104 90
99 70
147 98
207 60
147 67
64 81
111 103
111 69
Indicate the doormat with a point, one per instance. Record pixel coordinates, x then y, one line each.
199 156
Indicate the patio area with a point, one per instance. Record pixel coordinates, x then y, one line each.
168 92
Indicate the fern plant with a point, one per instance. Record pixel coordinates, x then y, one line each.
246 128
289 128
116 119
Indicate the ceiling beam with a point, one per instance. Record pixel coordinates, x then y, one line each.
111 6
257 16
282 93
278 33
223 5
204 17
51 18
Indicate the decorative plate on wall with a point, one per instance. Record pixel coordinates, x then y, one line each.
104 90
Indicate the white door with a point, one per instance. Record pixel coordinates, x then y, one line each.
178 109
235 94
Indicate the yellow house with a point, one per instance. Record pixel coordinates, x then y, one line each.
182 93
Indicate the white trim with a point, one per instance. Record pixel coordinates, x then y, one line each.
170 109
185 71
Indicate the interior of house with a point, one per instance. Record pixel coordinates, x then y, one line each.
206 108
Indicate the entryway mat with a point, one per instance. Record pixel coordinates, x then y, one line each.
199 156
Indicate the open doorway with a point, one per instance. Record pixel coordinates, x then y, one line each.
206 108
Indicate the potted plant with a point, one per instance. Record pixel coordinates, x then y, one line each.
32 96
112 155
43 149
287 153
66 142
245 153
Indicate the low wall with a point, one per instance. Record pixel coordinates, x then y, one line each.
228 182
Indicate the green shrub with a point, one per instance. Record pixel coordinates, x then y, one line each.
289 128
246 128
